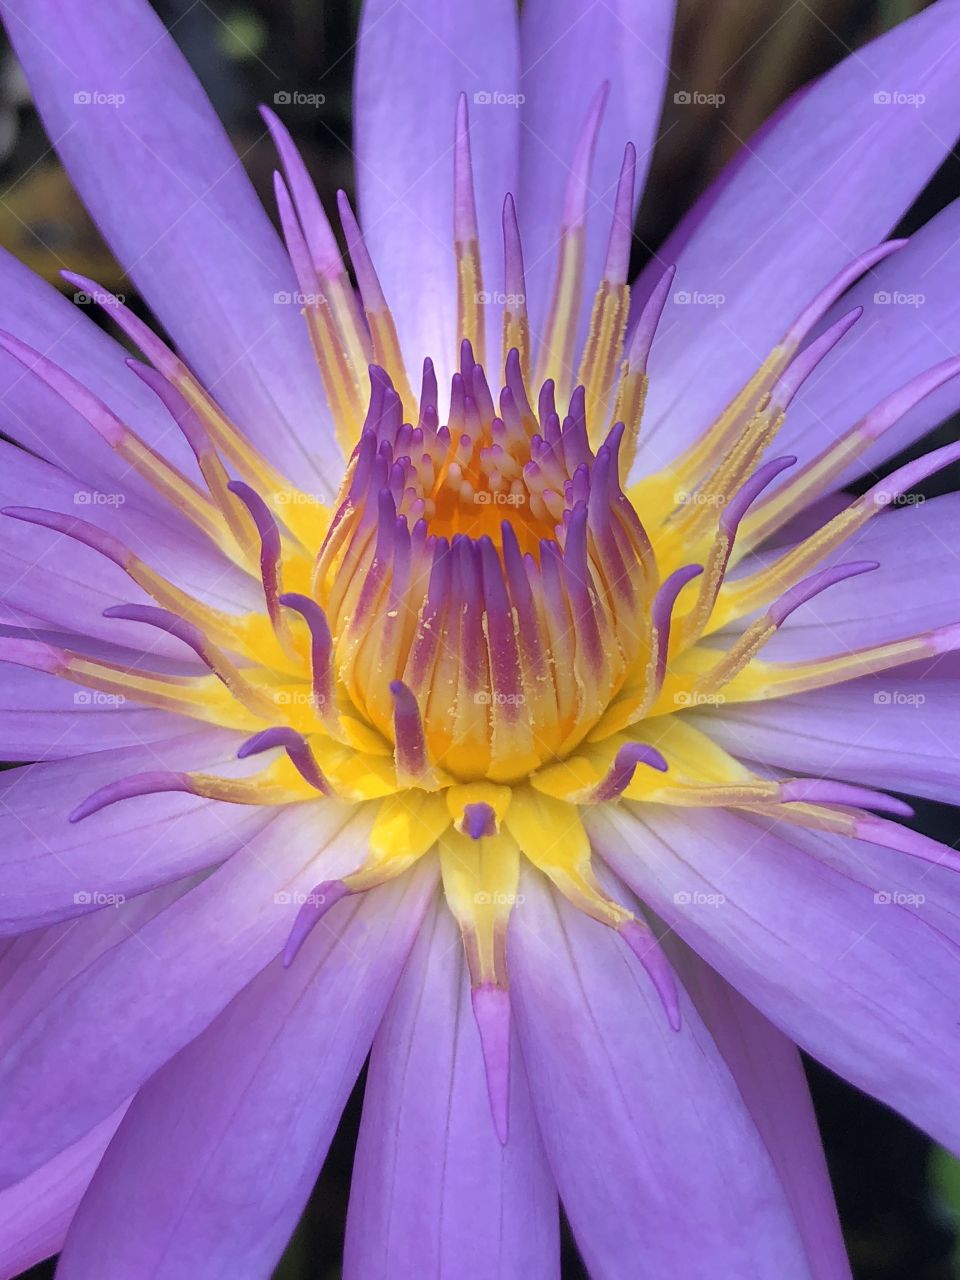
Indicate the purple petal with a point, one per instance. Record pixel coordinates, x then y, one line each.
60 582
414 59
238 1123
637 1118
156 170
568 50
892 602
51 869
33 967
35 417
800 188
770 1076
911 322
434 1192
36 966
863 981
42 717
110 1027
892 730
37 1211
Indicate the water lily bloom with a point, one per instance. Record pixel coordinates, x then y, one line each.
478 667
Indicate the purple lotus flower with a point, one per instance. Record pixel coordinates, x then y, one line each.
530 731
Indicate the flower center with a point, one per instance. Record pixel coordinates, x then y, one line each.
492 565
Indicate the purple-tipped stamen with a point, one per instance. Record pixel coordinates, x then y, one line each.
410 744
271 547
813 585
479 820
298 750
826 791
319 901
625 764
137 784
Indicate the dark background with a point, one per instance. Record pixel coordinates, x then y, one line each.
899 1197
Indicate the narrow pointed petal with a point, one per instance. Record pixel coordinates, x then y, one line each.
843 135
856 976
894 600
434 1192
38 314
491 1010
911 322
565 43
138 1004
161 179
896 730
414 61
767 1068
630 1146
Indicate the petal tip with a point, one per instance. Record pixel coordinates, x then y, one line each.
491 1010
